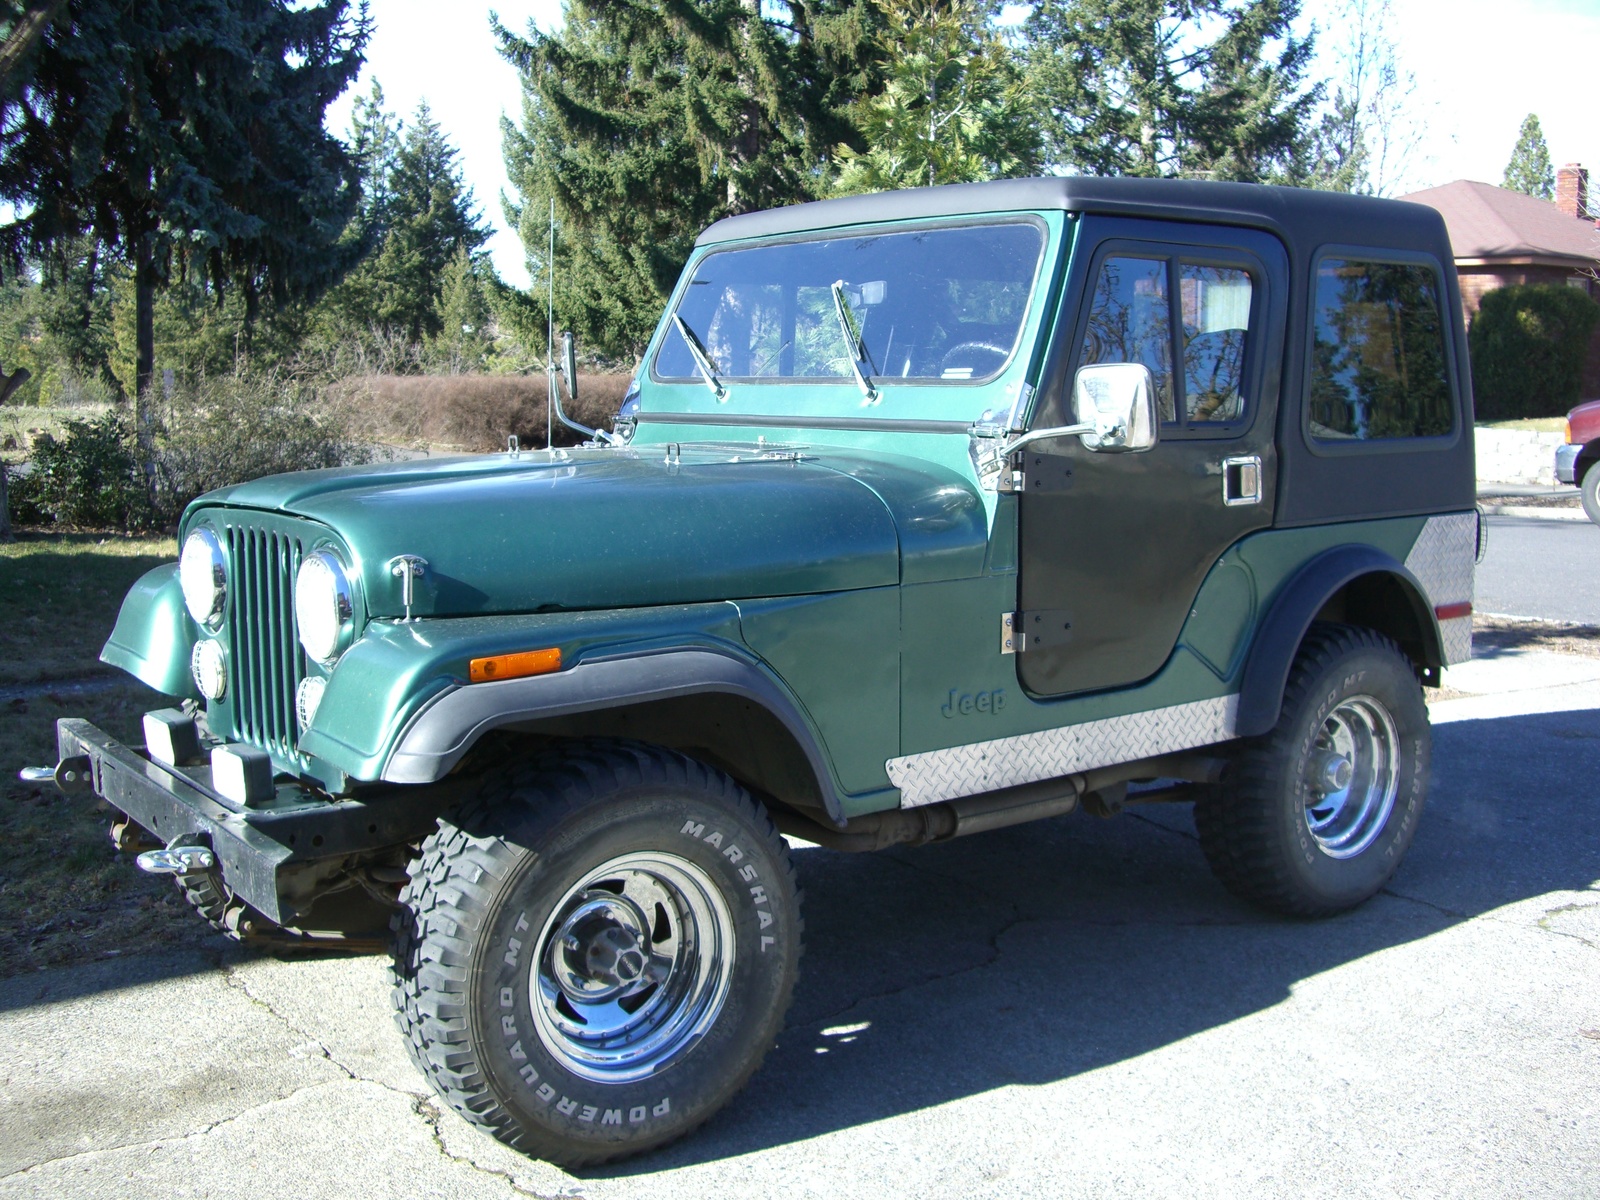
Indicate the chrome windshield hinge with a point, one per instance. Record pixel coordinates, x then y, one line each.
407 568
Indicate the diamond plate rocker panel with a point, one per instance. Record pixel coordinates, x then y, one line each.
1006 762
1443 559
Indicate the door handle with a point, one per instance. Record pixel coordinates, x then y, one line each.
1241 480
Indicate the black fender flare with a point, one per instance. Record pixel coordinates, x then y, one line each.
1278 637
442 732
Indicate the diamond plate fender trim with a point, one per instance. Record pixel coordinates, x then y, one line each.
1442 559
937 775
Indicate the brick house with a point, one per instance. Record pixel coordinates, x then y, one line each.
1501 237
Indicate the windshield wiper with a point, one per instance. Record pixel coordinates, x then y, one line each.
702 360
854 343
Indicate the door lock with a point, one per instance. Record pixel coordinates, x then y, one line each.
1241 480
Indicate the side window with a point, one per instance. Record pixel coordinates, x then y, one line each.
1216 318
1130 322
1136 316
1377 365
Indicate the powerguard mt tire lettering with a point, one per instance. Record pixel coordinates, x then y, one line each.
1281 831
596 953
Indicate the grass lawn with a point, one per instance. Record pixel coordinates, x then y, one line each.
59 594
66 894
17 420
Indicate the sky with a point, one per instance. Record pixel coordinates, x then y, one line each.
1481 66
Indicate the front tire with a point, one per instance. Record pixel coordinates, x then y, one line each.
596 954
1589 491
1314 817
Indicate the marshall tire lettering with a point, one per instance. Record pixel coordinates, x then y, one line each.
499 928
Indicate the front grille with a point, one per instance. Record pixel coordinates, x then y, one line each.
266 659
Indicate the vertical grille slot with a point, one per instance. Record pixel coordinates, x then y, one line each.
267 662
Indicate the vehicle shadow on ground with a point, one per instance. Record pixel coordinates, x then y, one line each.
1041 952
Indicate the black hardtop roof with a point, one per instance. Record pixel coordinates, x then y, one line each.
1304 219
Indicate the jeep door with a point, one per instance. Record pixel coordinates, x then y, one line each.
1113 546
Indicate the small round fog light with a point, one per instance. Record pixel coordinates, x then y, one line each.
307 697
210 665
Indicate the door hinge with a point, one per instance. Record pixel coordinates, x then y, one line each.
1037 629
1029 471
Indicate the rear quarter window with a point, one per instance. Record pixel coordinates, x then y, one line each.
1378 368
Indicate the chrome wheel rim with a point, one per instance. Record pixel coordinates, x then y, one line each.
1352 777
633 968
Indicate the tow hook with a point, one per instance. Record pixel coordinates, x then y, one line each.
70 775
177 860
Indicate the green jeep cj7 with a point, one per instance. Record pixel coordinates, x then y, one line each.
928 513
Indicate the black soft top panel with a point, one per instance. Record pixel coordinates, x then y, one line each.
1303 219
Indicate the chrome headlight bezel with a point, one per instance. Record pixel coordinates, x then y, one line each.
324 606
203 578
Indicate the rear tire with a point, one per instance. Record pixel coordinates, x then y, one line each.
594 955
1313 817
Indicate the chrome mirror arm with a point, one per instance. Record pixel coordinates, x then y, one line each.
1040 435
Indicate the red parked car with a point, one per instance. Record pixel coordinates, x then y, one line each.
1575 462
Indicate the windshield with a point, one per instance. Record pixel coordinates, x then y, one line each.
927 304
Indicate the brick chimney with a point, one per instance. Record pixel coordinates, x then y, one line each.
1572 190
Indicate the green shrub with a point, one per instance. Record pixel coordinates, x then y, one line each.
222 431
1528 346
89 476
209 434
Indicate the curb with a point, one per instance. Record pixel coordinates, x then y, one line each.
1532 512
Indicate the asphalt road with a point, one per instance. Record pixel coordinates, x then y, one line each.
1073 1008
1539 568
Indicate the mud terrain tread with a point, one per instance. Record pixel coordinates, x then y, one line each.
447 900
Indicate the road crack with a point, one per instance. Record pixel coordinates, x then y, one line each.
431 1114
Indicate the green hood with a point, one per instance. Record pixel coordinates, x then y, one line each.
626 528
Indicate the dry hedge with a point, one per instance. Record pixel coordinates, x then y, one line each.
474 413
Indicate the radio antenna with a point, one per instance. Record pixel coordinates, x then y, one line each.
550 335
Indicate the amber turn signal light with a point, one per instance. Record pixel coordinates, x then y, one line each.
514 666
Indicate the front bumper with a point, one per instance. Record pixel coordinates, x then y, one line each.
260 850
1566 463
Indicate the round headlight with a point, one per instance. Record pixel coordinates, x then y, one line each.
210 665
322 605
203 573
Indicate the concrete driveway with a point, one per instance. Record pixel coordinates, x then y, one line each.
1066 1009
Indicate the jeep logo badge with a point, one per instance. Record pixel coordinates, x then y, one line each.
968 703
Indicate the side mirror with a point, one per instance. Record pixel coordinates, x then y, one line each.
569 363
1118 401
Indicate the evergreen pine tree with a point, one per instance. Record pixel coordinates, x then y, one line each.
188 135
1198 88
1529 170
422 216
464 342
645 121
953 107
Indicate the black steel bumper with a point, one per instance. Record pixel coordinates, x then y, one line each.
255 848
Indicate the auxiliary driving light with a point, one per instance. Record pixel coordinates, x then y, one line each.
171 737
242 774
210 665
307 698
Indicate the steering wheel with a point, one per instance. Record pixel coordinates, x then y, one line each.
952 357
